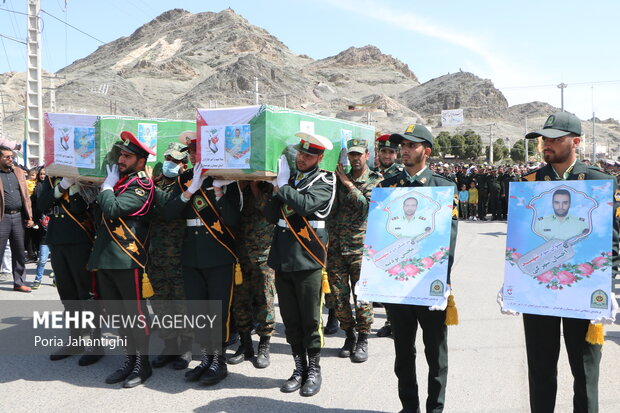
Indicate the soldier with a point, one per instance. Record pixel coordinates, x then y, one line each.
494 186
349 217
388 154
299 206
482 181
253 300
70 235
388 167
415 148
561 138
119 254
164 266
211 209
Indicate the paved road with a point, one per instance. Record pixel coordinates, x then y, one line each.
487 362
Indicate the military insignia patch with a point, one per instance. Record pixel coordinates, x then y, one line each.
617 196
599 300
304 233
288 211
581 176
436 288
550 120
423 180
306 145
410 129
217 226
402 182
199 203
139 191
133 248
547 178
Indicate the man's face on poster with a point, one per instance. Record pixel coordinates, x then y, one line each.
237 133
409 207
561 205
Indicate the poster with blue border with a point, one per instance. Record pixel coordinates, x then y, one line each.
238 141
147 134
405 259
84 147
559 248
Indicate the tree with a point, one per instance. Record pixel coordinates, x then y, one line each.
473 145
445 142
517 153
458 146
500 151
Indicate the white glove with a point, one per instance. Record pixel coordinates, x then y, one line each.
614 310
442 306
218 183
500 301
112 177
197 180
65 183
284 172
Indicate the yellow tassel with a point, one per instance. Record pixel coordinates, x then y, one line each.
147 288
324 282
452 315
596 334
238 274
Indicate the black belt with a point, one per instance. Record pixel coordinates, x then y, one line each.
12 211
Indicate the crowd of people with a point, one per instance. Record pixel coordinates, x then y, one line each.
300 235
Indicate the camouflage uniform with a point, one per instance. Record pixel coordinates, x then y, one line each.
164 265
253 299
348 221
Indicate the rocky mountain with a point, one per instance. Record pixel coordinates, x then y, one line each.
181 61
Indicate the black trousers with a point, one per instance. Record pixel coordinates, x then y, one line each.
73 280
495 205
299 297
405 320
121 291
483 198
215 283
12 228
542 341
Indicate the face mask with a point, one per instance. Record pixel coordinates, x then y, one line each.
170 169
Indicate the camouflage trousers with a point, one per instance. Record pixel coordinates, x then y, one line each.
166 276
343 272
253 299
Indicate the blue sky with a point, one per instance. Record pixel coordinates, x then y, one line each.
526 48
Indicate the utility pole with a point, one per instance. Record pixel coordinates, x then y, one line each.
525 140
1 113
256 94
285 101
562 86
52 89
491 144
593 141
34 95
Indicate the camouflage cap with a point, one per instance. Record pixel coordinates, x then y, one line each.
357 145
176 150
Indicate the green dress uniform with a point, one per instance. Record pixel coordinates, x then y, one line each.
542 333
405 319
119 274
344 261
390 171
208 266
553 227
70 235
298 274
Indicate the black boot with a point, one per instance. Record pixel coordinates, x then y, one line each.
168 354
198 371
262 360
68 350
386 330
92 354
349 344
122 373
332 323
245 350
182 361
216 372
360 354
313 379
141 371
299 374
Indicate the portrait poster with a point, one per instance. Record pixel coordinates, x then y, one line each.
64 152
147 134
213 146
84 144
238 147
405 257
558 248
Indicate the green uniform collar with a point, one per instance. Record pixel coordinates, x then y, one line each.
567 173
419 176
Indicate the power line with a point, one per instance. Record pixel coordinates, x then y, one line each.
72 26
8 61
11 38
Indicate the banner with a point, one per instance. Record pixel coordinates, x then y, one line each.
558 248
452 117
406 246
